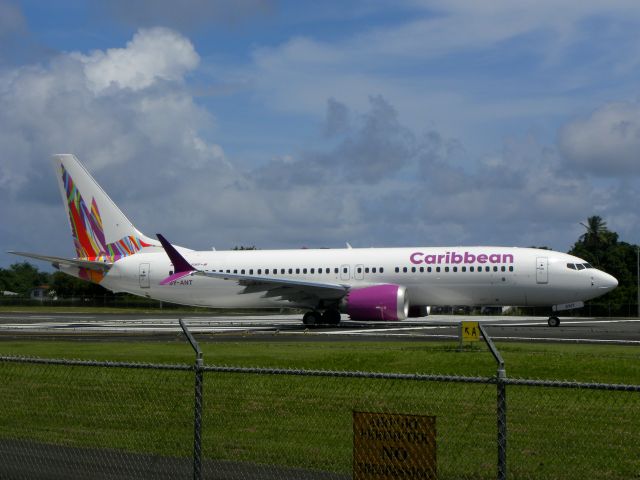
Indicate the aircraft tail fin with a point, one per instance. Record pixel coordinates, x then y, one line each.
99 228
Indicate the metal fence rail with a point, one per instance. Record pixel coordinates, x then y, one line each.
79 419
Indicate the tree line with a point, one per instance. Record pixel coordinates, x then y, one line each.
598 245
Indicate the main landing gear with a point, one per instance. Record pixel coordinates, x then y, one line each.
554 321
331 316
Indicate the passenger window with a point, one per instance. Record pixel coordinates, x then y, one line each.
421 269
290 271
471 269
438 269
304 270
335 270
511 269
381 270
455 269
366 269
446 269
359 269
397 269
266 271
373 270
297 271
404 269
464 269
313 270
413 269
503 268
429 269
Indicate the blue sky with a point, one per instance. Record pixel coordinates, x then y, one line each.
289 124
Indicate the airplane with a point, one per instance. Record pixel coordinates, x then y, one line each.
387 284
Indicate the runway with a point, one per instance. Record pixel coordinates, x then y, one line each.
282 327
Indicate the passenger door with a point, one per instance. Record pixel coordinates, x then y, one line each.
542 270
143 274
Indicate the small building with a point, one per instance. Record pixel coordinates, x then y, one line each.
40 293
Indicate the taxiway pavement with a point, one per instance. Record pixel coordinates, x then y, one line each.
220 328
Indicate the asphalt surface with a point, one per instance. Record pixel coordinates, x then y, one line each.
57 462
290 327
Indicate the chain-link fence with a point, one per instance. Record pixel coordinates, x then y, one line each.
81 419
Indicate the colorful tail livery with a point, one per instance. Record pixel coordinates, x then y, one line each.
101 233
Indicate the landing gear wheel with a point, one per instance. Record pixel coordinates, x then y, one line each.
554 321
311 318
331 316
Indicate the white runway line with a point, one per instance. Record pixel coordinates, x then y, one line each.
378 330
570 340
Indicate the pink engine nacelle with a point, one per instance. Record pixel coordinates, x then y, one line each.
379 302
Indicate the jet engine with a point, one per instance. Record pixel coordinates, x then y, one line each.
379 302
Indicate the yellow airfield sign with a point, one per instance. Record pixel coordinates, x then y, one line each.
470 331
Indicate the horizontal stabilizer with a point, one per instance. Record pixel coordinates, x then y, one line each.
71 262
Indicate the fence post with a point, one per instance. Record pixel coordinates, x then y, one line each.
197 415
501 408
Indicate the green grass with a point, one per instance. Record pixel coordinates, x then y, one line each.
586 363
306 421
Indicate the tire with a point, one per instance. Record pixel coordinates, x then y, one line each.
311 318
554 321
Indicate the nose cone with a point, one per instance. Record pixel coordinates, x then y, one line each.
606 282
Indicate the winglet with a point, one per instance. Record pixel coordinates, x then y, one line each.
182 268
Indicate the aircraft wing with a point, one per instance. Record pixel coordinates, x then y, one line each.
71 262
293 290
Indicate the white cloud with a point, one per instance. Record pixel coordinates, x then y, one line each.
128 115
607 142
152 55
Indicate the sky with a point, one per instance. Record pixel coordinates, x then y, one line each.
288 124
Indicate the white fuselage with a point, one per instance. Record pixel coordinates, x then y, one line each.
432 276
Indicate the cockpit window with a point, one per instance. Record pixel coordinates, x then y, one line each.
580 266
588 265
572 266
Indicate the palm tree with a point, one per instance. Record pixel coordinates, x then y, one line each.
596 231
